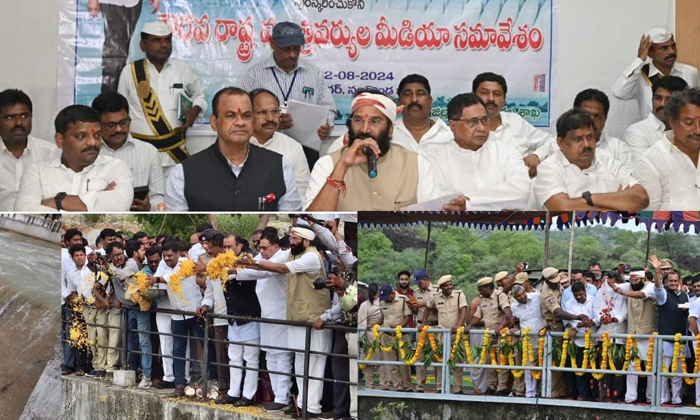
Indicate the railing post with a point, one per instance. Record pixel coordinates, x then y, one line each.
546 364
205 356
658 379
305 379
125 334
446 350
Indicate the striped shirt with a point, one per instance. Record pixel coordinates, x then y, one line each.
145 166
307 86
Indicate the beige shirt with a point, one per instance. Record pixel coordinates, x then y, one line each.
424 296
490 309
448 307
395 311
551 301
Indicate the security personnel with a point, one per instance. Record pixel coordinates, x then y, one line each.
494 309
395 311
451 307
553 314
422 296
523 279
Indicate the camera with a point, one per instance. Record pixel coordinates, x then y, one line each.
309 218
319 283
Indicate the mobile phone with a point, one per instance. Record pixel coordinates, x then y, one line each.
141 192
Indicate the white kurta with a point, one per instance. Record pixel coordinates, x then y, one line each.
557 175
11 168
294 152
438 135
642 135
617 148
493 177
522 135
671 179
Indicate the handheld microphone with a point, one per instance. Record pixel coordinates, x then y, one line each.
371 162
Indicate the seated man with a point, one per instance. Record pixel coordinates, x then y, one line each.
669 169
577 178
141 157
340 181
489 173
597 104
18 149
78 179
642 135
232 174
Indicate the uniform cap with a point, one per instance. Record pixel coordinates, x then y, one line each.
484 281
444 279
667 263
521 278
500 275
659 35
156 28
551 274
420 275
288 33
384 292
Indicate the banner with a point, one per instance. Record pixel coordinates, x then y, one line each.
356 43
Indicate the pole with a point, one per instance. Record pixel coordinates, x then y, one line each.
427 247
548 224
571 241
646 258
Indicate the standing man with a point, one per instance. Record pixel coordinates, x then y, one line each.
416 130
533 145
669 169
527 313
575 177
266 108
487 172
78 179
422 295
18 149
451 307
597 104
119 17
583 305
636 80
641 135
141 157
395 312
290 77
251 177
154 87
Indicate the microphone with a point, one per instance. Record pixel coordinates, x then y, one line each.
371 162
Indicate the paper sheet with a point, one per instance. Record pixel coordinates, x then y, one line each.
307 119
432 205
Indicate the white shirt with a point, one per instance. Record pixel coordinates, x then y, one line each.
292 150
567 294
617 148
428 186
191 296
81 281
125 3
174 72
694 312
195 251
642 135
164 270
632 85
522 135
145 166
606 298
308 263
493 177
11 168
574 307
41 181
671 179
530 314
175 188
557 175
438 135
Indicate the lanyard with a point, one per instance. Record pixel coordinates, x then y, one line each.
291 85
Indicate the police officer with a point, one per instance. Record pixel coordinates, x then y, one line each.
422 296
395 312
494 309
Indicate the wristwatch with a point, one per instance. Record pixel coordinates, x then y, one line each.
59 197
587 196
257 263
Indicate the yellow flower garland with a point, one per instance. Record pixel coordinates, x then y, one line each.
696 369
604 357
650 352
218 267
518 373
676 352
564 348
628 350
186 270
537 374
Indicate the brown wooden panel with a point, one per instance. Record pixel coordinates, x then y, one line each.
688 31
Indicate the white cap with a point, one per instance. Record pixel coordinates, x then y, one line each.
156 28
659 35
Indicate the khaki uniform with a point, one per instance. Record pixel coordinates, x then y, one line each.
490 310
448 309
394 314
424 296
551 301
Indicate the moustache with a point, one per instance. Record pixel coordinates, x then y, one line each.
587 150
660 109
490 104
416 104
19 127
673 56
270 124
90 149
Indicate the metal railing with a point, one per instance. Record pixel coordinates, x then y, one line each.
208 322
552 340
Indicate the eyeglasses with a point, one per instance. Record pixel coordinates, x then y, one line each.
112 125
374 122
264 113
264 248
473 122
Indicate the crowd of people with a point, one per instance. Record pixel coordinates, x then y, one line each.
624 300
305 275
483 158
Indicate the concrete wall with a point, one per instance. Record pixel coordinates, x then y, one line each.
30 226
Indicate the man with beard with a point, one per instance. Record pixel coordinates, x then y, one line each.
636 80
597 104
250 177
416 130
154 86
642 318
305 304
669 169
577 178
18 148
642 135
341 181
487 172
532 144
78 179
266 110
141 157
